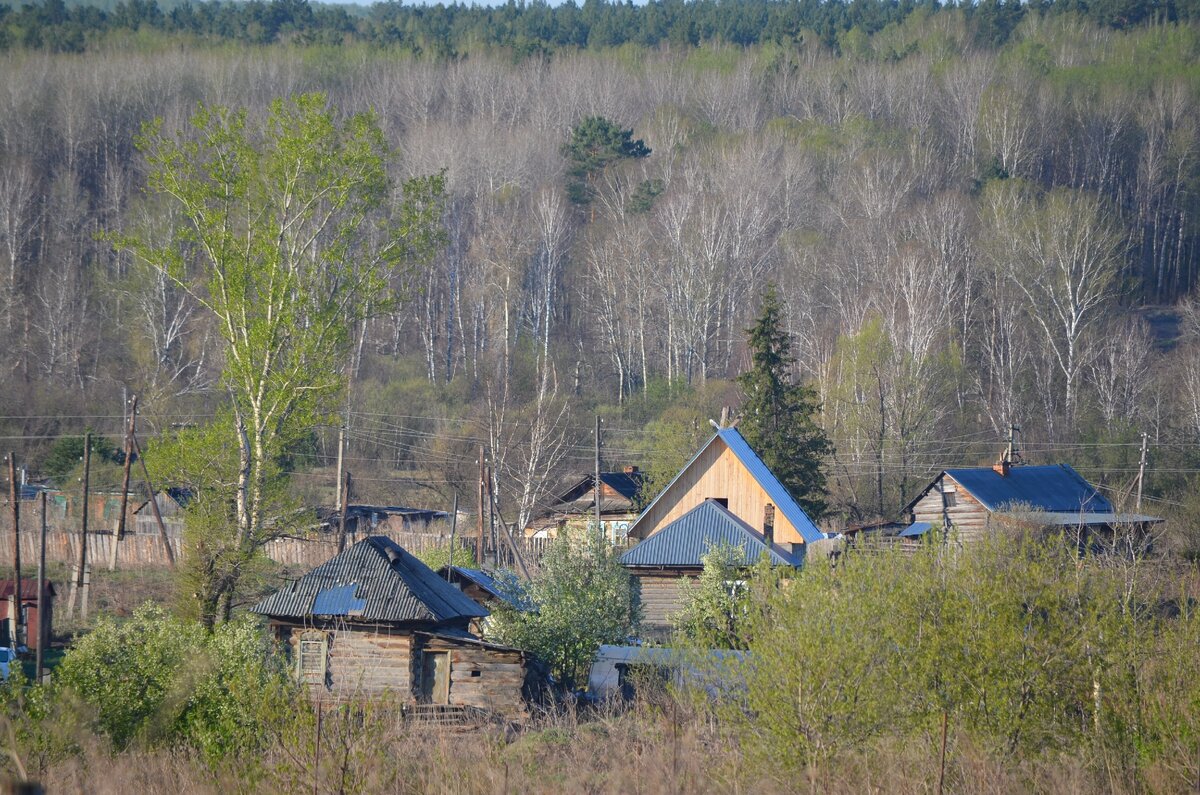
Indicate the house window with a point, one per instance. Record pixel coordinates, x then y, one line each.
312 657
722 501
769 523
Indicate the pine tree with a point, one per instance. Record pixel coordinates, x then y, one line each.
779 416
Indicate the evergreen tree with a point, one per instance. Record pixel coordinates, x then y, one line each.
779 416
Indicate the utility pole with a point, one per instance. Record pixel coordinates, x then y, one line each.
1142 471
41 593
81 565
162 528
341 447
453 527
599 524
345 502
1012 454
479 519
129 431
15 495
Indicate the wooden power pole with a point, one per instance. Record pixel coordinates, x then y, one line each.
162 528
41 593
120 533
81 565
1142 472
344 502
15 496
479 520
596 498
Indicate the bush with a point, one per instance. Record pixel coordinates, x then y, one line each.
581 598
161 680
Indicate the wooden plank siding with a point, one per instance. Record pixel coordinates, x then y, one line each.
968 518
661 596
716 473
365 662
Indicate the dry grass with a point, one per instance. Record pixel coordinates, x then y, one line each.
646 750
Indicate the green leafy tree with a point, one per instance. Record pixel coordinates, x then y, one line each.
581 598
66 454
716 606
594 145
779 416
288 237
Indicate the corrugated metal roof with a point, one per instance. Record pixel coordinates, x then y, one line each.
485 581
1051 488
684 541
916 529
1086 518
783 500
385 579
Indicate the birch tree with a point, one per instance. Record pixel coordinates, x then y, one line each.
286 238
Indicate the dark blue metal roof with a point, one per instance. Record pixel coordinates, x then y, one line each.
338 601
916 529
374 580
682 542
1051 488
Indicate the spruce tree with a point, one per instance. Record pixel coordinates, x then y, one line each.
779 415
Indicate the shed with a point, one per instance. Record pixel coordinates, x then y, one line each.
664 561
374 620
29 608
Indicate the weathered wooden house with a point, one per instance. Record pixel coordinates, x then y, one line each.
366 520
29 610
728 472
374 620
171 504
673 555
574 504
969 502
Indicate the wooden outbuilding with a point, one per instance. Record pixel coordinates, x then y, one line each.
29 609
376 621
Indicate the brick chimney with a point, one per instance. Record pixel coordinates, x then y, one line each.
1001 467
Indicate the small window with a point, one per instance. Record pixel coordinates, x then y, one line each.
722 501
950 498
475 674
312 657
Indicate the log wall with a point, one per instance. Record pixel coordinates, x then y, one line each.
969 519
661 596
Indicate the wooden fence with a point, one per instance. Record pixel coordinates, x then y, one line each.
138 551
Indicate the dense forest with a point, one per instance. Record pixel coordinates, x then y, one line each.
976 217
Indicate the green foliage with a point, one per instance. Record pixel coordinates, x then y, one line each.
66 455
435 557
596 143
779 417
642 199
160 680
716 607
1017 642
582 597
286 237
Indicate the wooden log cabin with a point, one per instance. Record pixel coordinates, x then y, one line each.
968 503
574 504
376 621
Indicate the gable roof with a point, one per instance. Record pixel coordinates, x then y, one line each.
484 581
374 580
684 541
1053 488
574 487
783 500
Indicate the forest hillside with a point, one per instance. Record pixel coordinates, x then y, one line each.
976 218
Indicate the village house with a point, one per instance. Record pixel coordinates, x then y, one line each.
171 504
969 502
574 504
725 494
374 620
366 520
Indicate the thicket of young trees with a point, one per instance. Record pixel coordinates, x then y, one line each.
966 237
